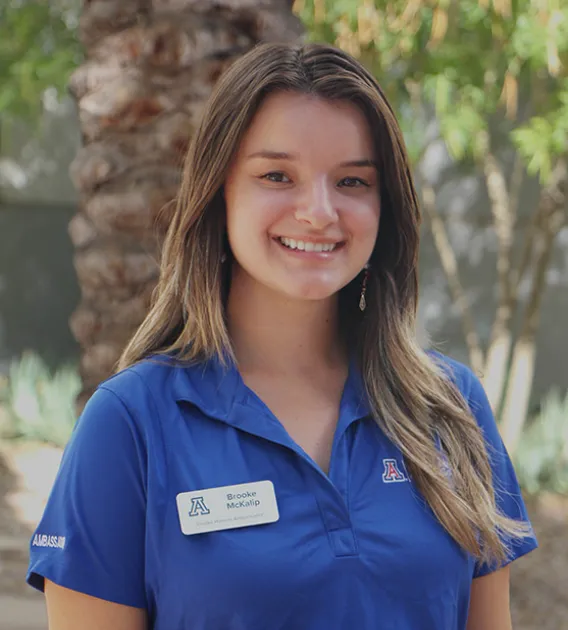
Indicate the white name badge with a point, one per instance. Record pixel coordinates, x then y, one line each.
227 507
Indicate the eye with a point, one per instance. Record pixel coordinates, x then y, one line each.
352 182
276 177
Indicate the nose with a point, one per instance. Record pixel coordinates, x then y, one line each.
317 209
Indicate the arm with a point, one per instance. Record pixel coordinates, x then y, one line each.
489 604
96 514
68 610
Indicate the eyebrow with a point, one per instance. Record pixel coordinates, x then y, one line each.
364 162
272 155
280 155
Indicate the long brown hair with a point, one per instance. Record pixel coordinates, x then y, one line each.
412 398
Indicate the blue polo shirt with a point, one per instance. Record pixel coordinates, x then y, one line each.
356 548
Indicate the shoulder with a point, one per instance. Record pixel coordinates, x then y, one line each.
162 379
130 408
153 387
138 396
151 378
468 384
459 373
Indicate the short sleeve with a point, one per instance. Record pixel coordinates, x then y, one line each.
507 491
91 537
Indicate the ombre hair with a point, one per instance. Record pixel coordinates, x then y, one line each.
412 398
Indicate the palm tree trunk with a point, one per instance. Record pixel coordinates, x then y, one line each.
149 67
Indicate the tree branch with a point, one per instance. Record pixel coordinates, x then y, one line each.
504 213
517 178
553 213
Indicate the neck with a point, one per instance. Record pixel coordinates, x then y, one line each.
280 335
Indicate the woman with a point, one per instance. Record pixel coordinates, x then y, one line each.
277 452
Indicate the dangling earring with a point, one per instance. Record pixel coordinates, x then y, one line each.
362 299
223 258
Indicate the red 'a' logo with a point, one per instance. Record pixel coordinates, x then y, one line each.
392 473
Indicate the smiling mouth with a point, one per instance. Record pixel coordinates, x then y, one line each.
308 246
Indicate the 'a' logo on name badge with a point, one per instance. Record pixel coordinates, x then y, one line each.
198 507
227 507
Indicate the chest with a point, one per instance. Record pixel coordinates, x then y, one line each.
359 534
307 410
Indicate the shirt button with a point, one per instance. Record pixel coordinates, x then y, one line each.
343 542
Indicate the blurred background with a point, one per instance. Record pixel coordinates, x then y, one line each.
97 103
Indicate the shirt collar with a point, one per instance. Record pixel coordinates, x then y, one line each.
210 385
216 388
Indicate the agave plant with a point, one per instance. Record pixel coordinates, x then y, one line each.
541 458
40 404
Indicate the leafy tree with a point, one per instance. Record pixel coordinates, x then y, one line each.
494 75
38 50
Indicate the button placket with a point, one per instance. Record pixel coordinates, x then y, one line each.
335 516
339 469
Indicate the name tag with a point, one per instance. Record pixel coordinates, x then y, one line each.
227 507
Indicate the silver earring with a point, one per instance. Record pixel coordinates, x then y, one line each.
223 258
362 299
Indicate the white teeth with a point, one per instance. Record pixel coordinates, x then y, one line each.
307 246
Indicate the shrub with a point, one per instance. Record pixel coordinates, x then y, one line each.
39 404
541 459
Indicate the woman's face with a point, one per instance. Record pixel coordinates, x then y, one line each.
302 197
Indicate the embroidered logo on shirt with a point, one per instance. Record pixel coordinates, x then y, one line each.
43 540
198 507
392 473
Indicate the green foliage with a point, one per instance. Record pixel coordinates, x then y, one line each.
38 404
38 50
545 137
472 62
541 459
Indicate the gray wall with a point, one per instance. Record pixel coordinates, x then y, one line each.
38 286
